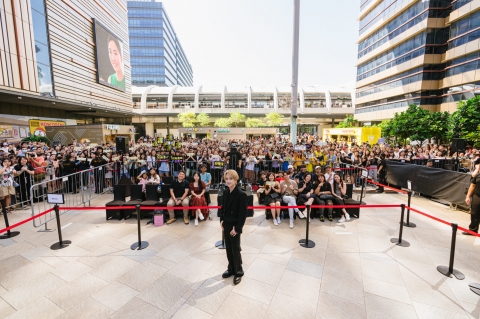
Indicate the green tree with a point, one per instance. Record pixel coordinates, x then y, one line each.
386 126
254 122
223 122
439 125
237 117
273 119
349 121
203 120
466 119
474 137
188 119
413 124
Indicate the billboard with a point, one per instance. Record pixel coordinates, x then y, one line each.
109 57
82 133
37 127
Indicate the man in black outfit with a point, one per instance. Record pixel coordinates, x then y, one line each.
382 173
232 220
473 200
99 171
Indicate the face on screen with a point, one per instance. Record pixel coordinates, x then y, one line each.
115 56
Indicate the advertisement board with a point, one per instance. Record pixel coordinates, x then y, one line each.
37 127
109 57
6 131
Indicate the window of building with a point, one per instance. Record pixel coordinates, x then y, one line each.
42 48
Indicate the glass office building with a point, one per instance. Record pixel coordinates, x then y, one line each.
416 52
157 57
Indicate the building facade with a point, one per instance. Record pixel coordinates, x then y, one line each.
55 59
416 52
319 107
157 57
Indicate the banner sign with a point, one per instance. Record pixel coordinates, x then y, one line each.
37 127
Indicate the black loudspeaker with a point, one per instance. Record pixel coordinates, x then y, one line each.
458 144
121 144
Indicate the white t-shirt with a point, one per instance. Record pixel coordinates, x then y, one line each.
329 177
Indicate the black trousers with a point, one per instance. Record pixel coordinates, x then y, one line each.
382 179
233 250
475 213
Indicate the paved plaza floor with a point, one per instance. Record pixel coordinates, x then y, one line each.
354 271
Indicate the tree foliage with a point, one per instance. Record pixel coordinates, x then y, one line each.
439 125
223 122
188 119
237 117
273 119
413 124
466 119
349 121
254 122
203 119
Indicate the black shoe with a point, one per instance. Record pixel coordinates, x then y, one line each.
322 219
237 280
227 274
330 218
467 234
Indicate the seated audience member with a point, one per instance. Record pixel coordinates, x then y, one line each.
289 195
143 180
323 190
339 194
179 196
306 196
197 191
261 185
273 198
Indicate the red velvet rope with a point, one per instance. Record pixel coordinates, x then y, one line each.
429 216
25 221
389 187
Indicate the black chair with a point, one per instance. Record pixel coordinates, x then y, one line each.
167 180
118 200
151 200
136 197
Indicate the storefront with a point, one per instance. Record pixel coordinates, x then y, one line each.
356 135
230 133
92 133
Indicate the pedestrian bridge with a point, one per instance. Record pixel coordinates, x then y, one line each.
313 100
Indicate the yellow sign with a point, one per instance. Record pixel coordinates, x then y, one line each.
37 127
360 134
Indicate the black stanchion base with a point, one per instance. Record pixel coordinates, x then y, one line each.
57 246
475 288
12 234
444 271
404 243
306 244
410 224
143 245
220 244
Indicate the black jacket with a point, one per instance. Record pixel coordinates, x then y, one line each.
234 208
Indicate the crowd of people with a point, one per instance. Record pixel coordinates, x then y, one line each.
308 172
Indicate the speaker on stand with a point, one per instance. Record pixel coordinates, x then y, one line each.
121 144
458 144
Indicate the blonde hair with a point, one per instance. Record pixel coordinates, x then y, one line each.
232 174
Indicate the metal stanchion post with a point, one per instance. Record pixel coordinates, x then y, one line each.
61 243
475 288
306 242
399 241
9 234
141 244
449 271
364 179
221 243
408 223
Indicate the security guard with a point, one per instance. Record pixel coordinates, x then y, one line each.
234 215
98 171
473 199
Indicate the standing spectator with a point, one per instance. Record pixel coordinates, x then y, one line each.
6 185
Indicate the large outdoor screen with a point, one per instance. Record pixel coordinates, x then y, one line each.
109 58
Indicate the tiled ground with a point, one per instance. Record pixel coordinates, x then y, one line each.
353 271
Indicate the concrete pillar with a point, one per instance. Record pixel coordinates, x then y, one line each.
149 130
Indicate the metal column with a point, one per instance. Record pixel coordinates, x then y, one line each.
296 40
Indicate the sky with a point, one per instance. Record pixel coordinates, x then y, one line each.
250 42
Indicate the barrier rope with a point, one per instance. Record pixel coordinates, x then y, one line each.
25 221
429 216
389 187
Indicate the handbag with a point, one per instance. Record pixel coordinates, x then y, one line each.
274 195
326 197
158 220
